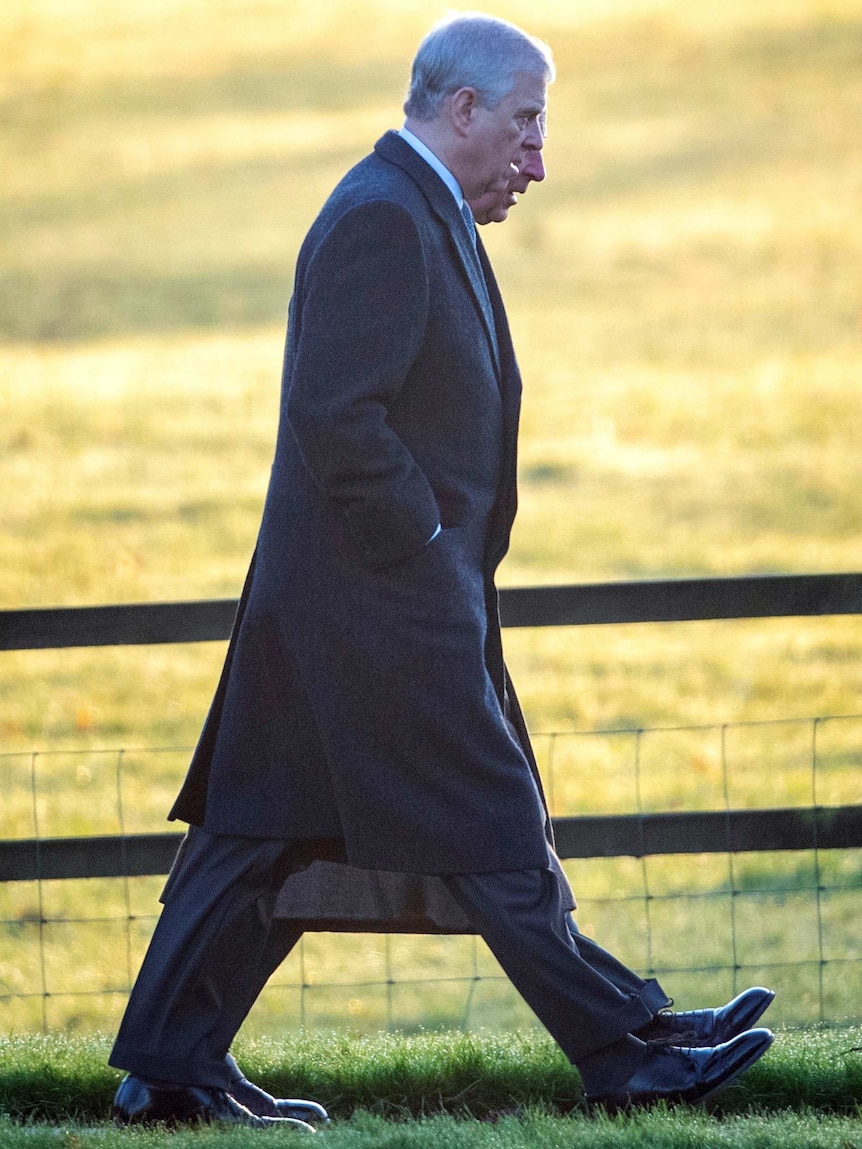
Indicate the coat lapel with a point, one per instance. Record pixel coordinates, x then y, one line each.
472 262
510 379
510 391
442 203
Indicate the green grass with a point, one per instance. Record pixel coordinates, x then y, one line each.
449 1090
61 1078
660 1130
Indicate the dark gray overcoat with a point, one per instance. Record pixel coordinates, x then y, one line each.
364 699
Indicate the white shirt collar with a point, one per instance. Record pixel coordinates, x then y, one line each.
439 167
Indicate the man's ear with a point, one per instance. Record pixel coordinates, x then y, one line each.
462 109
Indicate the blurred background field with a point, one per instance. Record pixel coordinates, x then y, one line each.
685 297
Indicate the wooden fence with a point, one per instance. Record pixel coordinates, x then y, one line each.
638 835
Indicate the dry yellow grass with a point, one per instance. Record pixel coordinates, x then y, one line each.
683 292
685 298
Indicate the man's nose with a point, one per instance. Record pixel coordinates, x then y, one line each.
533 165
535 138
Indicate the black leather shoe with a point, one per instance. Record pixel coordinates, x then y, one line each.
265 1105
702 1027
669 1073
142 1102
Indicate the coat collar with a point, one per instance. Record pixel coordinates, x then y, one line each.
442 203
440 199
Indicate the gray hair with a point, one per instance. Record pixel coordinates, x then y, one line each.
472 50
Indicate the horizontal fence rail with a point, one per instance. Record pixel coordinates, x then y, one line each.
597 836
585 604
786 920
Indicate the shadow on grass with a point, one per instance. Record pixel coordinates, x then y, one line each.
131 219
84 303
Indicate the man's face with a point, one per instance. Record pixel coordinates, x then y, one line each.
500 137
493 206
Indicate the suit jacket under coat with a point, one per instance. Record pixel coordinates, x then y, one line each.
364 699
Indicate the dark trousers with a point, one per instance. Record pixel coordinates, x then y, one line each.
216 944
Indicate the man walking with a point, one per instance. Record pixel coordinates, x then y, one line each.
364 715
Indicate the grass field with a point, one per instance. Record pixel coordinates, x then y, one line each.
662 1130
685 299
451 1091
683 291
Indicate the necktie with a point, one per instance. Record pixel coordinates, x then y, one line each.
469 221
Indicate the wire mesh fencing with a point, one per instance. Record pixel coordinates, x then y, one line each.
705 922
